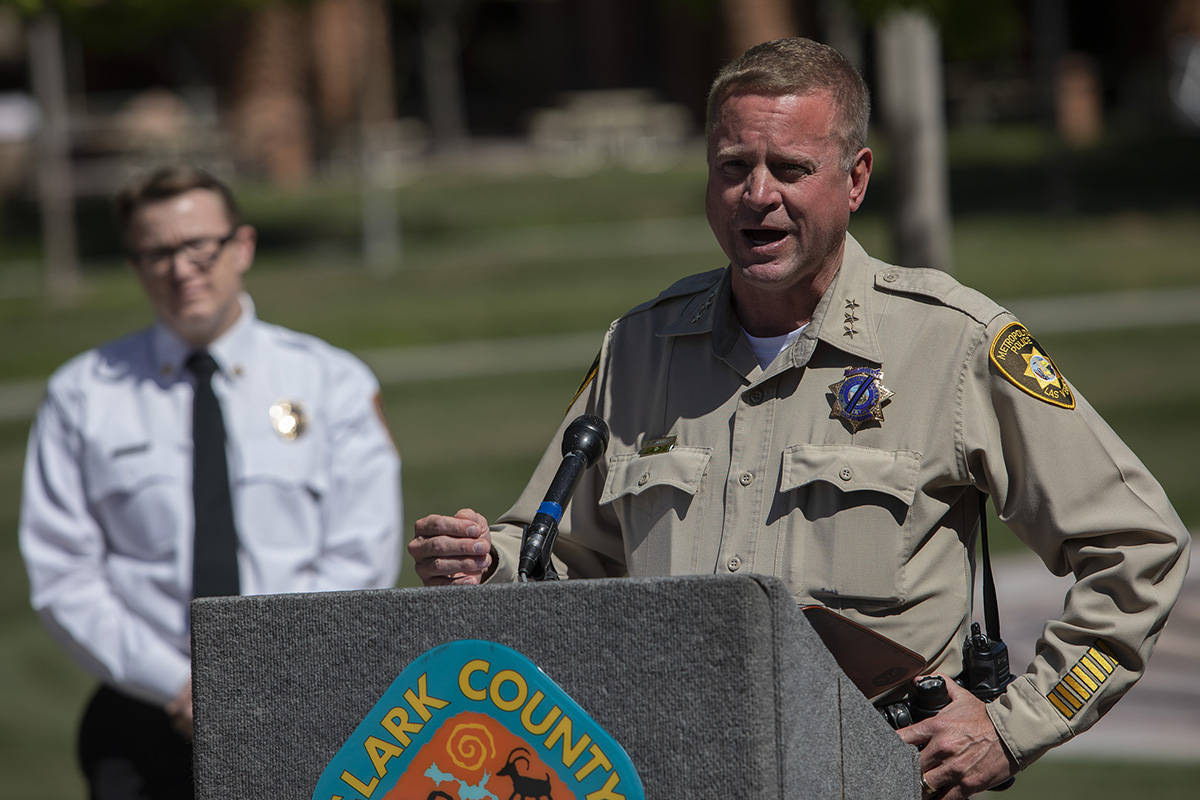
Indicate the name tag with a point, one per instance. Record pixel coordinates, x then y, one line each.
660 444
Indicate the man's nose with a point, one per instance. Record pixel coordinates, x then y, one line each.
762 190
181 263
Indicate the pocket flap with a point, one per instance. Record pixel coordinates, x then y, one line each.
284 461
852 468
126 469
632 474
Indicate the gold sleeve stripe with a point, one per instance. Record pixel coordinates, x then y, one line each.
1076 686
1067 699
1102 656
1062 707
1093 668
1082 680
1081 673
1066 694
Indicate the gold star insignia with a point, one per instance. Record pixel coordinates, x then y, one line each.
1040 368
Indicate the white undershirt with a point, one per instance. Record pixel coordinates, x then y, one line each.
766 348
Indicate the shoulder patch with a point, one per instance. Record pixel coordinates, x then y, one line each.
588 378
1026 365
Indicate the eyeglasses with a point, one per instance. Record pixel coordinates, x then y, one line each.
201 253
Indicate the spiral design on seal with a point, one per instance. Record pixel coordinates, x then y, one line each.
470 744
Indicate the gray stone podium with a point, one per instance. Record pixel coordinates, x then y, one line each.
716 687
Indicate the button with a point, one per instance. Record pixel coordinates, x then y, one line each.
846 473
756 396
746 478
891 277
642 480
733 563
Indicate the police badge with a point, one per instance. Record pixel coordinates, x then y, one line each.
288 419
859 396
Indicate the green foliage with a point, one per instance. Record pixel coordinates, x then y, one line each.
970 31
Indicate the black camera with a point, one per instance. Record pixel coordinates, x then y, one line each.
985 673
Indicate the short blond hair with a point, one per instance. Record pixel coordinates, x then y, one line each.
798 66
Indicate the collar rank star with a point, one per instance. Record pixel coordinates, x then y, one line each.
859 396
288 419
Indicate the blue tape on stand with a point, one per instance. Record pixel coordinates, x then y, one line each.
551 508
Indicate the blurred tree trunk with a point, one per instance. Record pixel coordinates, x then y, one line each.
1050 44
272 128
56 194
441 56
910 88
352 62
751 22
338 30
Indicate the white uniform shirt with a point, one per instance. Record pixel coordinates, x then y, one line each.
106 524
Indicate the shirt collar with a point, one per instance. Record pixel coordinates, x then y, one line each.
712 311
844 317
848 313
229 350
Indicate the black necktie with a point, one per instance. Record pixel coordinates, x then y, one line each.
215 570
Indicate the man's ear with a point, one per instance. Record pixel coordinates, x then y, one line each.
859 177
245 242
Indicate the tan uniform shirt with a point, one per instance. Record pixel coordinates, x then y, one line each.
877 523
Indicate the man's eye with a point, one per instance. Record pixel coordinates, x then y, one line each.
794 171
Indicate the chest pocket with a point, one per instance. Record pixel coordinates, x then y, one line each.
137 492
286 465
649 492
124 470
849 511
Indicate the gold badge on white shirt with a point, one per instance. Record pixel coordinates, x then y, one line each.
288 419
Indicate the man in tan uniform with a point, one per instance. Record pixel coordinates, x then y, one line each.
816 414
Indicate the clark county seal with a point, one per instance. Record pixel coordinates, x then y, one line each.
1026 365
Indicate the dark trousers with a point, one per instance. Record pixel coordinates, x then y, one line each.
129 751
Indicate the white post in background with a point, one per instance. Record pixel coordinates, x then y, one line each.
381 233
911 95
56 194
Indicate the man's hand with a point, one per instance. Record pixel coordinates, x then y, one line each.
180 711
961 753
451 550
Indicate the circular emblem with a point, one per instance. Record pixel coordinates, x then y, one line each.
288 419
859 396
1041 367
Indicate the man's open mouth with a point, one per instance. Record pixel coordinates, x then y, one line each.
761 236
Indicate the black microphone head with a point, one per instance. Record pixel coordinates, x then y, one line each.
587 435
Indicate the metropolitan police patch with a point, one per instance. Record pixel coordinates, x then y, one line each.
1025 364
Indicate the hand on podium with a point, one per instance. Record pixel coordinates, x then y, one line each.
961 753
452 550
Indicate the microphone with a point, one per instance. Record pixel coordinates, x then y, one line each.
584 441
